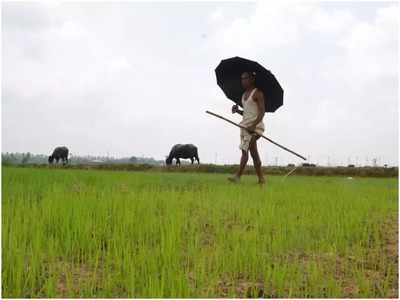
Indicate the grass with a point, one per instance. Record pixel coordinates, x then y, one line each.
379 172
89 233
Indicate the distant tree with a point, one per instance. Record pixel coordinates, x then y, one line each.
25 158
6 159
374 162
133 160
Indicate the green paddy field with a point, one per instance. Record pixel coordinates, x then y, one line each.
93 233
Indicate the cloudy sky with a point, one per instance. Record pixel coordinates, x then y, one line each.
134 78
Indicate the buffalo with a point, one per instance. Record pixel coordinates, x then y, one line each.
59 153
186 151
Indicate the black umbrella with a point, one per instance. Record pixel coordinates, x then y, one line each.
228 78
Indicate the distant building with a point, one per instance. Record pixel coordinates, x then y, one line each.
307 165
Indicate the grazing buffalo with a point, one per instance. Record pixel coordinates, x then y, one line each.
59 153
183 151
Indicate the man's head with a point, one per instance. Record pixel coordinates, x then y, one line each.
248 79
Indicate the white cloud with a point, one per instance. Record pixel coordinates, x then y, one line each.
137 78
339 71
216 16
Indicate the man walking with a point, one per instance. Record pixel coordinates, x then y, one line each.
253 114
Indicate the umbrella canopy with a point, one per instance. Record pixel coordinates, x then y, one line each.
228 78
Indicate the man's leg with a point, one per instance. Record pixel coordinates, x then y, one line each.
244 146
256 158
243 162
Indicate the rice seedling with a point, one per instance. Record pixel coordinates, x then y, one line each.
89 233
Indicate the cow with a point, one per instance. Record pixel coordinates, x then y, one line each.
183 151
59 153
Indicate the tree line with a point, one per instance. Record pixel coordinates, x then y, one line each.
30 158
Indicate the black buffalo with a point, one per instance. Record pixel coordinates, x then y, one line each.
59 153
183 151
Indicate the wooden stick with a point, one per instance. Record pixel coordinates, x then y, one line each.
284 177
268 139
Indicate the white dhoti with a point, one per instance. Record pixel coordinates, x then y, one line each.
245 138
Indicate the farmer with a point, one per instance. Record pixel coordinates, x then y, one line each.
253 114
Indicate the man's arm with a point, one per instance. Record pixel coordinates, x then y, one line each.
259 99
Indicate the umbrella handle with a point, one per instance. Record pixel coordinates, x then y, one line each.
268 139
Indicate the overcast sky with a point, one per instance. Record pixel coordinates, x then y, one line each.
135 78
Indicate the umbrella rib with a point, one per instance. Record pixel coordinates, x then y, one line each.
268 139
